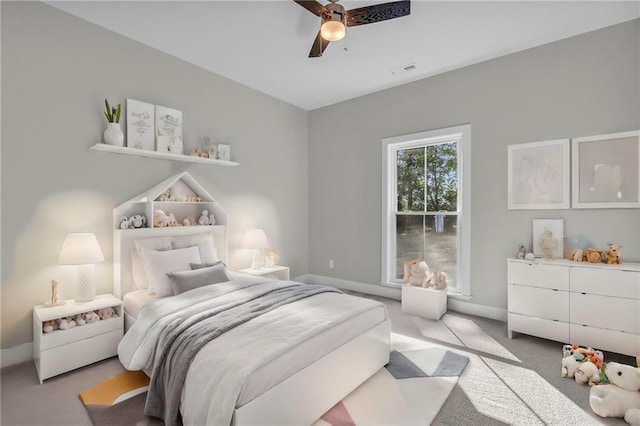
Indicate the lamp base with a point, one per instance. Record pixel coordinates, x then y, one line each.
86 283
258 259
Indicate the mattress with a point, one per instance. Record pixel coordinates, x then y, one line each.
135 300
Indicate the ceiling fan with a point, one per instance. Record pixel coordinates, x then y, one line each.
335 19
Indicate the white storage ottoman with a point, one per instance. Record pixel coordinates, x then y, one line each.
425 302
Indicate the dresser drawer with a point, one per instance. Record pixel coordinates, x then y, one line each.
606 282
63 337
539 302
77 354
605 312
538 275
547 329
608 340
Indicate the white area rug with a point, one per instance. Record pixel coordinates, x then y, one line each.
410 390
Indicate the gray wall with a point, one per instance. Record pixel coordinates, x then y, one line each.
586 85
56 72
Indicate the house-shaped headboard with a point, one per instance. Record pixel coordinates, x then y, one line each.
180 196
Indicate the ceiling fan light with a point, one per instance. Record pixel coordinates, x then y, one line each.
333 30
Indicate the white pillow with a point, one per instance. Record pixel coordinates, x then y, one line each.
137 268
204 242
155 243
158 263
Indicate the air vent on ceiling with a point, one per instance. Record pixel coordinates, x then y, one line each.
404 68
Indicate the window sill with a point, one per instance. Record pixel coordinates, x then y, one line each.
451 292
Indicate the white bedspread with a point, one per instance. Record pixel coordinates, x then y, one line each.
219 373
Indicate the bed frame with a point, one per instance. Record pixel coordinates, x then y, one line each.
307 395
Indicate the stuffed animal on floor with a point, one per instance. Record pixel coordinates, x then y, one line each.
620 398
574 356
587 373
416 273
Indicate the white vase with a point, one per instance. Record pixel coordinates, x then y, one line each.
113 135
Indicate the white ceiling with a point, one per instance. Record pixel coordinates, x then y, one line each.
265 44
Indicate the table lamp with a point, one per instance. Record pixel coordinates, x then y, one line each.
257 240
82 250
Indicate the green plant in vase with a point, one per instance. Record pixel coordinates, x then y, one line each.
113 135
112 113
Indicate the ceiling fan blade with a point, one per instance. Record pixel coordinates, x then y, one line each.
312 6
378 12
319 46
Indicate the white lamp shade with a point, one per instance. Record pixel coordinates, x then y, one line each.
255 239
80 249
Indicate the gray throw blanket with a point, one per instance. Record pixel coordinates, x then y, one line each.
183 338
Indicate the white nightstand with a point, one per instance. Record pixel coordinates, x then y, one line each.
63 350
275 272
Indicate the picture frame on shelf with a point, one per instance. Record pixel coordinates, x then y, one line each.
224 152
541 229
169 127
539 175
140 125
170 144
606 171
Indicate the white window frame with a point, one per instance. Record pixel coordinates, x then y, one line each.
390 146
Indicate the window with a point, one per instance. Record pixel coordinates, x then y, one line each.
426 204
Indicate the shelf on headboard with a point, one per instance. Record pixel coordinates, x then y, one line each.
162 155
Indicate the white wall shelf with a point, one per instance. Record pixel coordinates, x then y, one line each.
162 155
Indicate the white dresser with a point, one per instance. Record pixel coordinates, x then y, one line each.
589 304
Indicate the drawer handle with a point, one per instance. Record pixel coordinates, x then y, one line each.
554 289
584 293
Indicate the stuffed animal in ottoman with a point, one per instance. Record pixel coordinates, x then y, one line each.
416 273
620 398
107 313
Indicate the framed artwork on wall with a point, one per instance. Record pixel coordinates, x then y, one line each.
539 175
606 171
548 238
168 129
224 152
140 125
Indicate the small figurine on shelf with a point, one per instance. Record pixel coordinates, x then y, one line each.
204 218
124 223
137 221
522 250
54 295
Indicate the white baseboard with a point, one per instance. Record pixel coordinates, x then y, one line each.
483 311
453 303
376 290
16 354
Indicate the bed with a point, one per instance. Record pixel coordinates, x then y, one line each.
287 366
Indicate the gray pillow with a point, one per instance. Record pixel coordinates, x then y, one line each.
188 280
206 265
